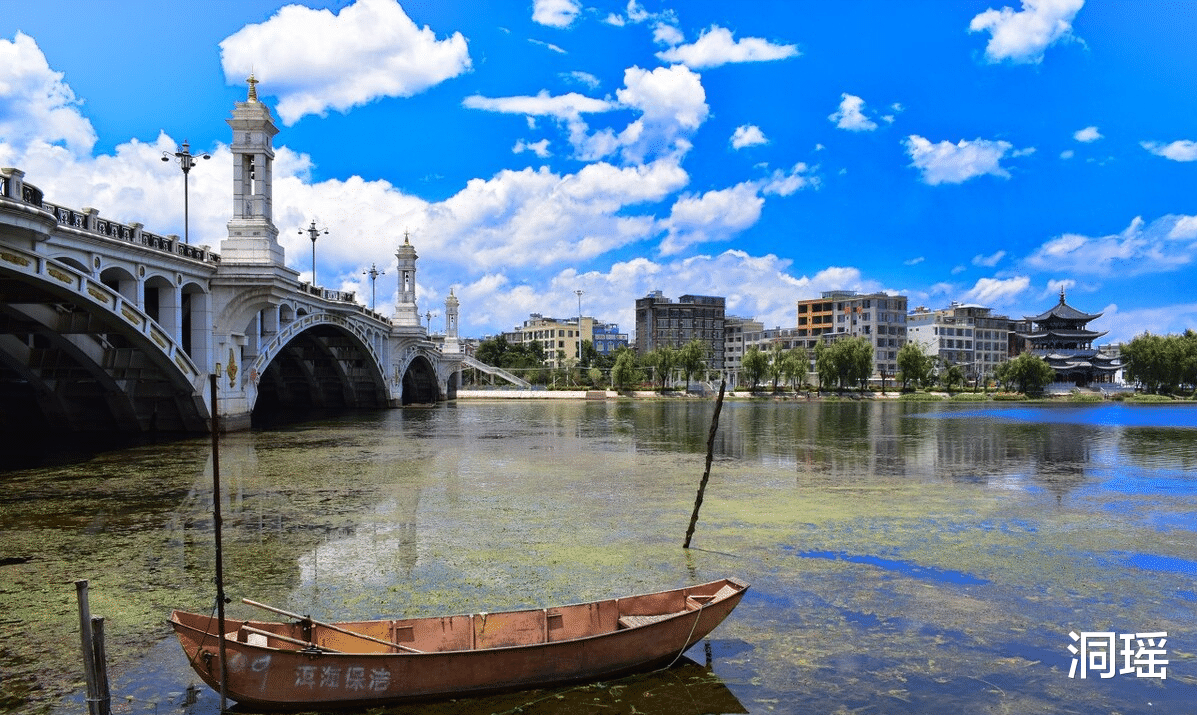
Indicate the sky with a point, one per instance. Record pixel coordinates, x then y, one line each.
764 151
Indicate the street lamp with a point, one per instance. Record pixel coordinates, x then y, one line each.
374 273
186 161
429 315
579 293
313 233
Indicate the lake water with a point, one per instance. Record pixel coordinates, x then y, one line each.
904 557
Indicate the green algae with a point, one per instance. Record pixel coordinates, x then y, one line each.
495 506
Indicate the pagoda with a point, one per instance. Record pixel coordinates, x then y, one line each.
1061 337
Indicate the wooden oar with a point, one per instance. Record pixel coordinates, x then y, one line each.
286 639
330 626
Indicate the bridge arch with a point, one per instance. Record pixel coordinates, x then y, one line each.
419 384
317 360
88 357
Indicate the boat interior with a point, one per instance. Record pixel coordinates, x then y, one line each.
478 631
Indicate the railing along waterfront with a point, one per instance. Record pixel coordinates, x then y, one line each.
88 220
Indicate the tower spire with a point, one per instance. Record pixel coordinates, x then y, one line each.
253 87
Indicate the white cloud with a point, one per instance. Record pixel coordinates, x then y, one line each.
555 13
36 106
996 291
1124 325
715 47
989 261
548 46
582 78
1162 246
914 261
540 148
666 34
851 116
747 135
948 163
714 216
1182 150
1022 36
1087 135
1067 154
368 50
563 106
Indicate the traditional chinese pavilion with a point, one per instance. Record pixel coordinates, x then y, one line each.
1061 337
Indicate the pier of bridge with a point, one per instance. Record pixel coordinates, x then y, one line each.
107 327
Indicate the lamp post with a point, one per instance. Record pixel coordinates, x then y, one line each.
313 233
579 293
374 273
186 161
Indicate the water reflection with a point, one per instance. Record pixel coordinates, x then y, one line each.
904 557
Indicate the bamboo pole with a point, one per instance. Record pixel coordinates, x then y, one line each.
702 486
217 524
329 626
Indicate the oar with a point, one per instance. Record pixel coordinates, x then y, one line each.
286 639
330 626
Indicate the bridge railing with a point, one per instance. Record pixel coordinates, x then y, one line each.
88 219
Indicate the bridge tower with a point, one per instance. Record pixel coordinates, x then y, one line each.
407 313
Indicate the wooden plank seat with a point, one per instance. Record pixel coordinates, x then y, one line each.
637 621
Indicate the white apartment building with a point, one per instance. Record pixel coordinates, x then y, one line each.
965 335
879 317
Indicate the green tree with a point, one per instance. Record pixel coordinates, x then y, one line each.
795 365
951 377
691 358
662 360
1028 373
1162 364
776 364
825 367
625 372
914 366
755 364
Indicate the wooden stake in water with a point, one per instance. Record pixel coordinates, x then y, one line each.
94 661
216 527
702 486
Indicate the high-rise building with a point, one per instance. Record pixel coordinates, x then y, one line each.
662 322
879 317
969 336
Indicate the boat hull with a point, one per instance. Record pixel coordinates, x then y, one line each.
453 656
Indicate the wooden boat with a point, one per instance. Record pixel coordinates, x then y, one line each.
307 663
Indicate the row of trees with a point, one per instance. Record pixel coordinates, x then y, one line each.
1162 364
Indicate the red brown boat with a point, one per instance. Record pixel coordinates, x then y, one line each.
307 663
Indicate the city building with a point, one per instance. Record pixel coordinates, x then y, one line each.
607 338
878 317
561 338
969 336
734 330
1061 336
662 322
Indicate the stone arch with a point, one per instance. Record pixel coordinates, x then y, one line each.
419 382
319 360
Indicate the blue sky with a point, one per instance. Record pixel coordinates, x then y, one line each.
763 151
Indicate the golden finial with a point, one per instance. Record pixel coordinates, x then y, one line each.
405 235
253 89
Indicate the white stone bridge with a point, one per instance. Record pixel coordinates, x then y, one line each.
106 327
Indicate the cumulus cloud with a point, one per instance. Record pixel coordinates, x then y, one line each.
1022 36
948 163
36 105
850 115
540 148
1182 150
716 47
582 78
1087 135
314 60
747 135
555 13
1162 246
997 291
713 216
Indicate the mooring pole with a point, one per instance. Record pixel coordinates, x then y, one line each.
702 486
101 660
216 524
93 656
